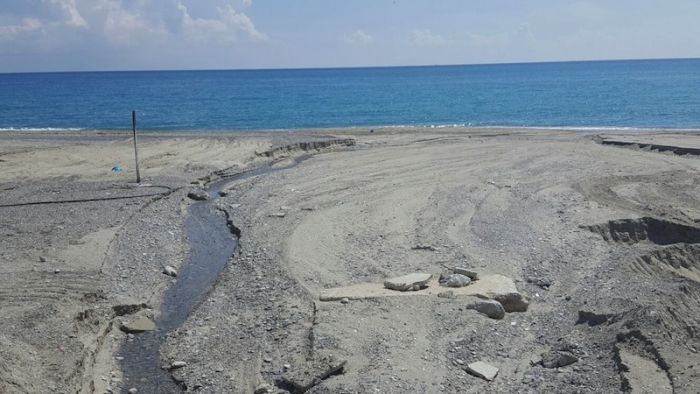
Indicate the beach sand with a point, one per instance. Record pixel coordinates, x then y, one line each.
603 241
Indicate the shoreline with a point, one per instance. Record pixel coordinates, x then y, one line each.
348 129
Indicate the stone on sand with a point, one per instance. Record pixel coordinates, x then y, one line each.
198 195
178 364
513 301
473 275
140 324
482 370
170 271
414 281
455 280
263 389
557 359
490 308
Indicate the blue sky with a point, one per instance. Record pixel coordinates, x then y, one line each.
62 35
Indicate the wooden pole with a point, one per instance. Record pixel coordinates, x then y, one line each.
136 151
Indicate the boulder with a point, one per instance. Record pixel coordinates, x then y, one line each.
415 281
490 308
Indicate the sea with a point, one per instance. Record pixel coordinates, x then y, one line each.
631 94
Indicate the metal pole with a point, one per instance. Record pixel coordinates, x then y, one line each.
136 151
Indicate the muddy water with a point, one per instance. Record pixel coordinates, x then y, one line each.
212 244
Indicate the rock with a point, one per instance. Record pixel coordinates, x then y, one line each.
482 370
490 308
42 259
425 247
592 318
512 302
301 380
57 271
278 215
133 390
473 275
128 309
345 300
170 271
557 359
455 280
447 294
415 281
539 282
198 195
223 193
138 325
177 364
536 359
263 389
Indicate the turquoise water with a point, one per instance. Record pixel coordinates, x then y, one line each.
616 94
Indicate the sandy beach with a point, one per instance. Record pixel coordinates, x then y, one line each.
591 250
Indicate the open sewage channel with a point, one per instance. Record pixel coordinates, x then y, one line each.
213 240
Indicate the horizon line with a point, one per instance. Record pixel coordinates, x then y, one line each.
351 67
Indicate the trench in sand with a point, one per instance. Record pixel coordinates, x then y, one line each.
213 240
674 258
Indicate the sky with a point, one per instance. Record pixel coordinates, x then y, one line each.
90 35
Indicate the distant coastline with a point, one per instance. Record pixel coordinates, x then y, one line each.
360 67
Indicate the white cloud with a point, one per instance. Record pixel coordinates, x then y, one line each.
426 38
122 26
70 9
27 25
226 28
242 22
358 37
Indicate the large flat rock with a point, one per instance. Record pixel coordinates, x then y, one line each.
497 287
415 282
138 325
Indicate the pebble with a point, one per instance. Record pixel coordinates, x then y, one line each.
344 300
170 271
177 364
263 389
